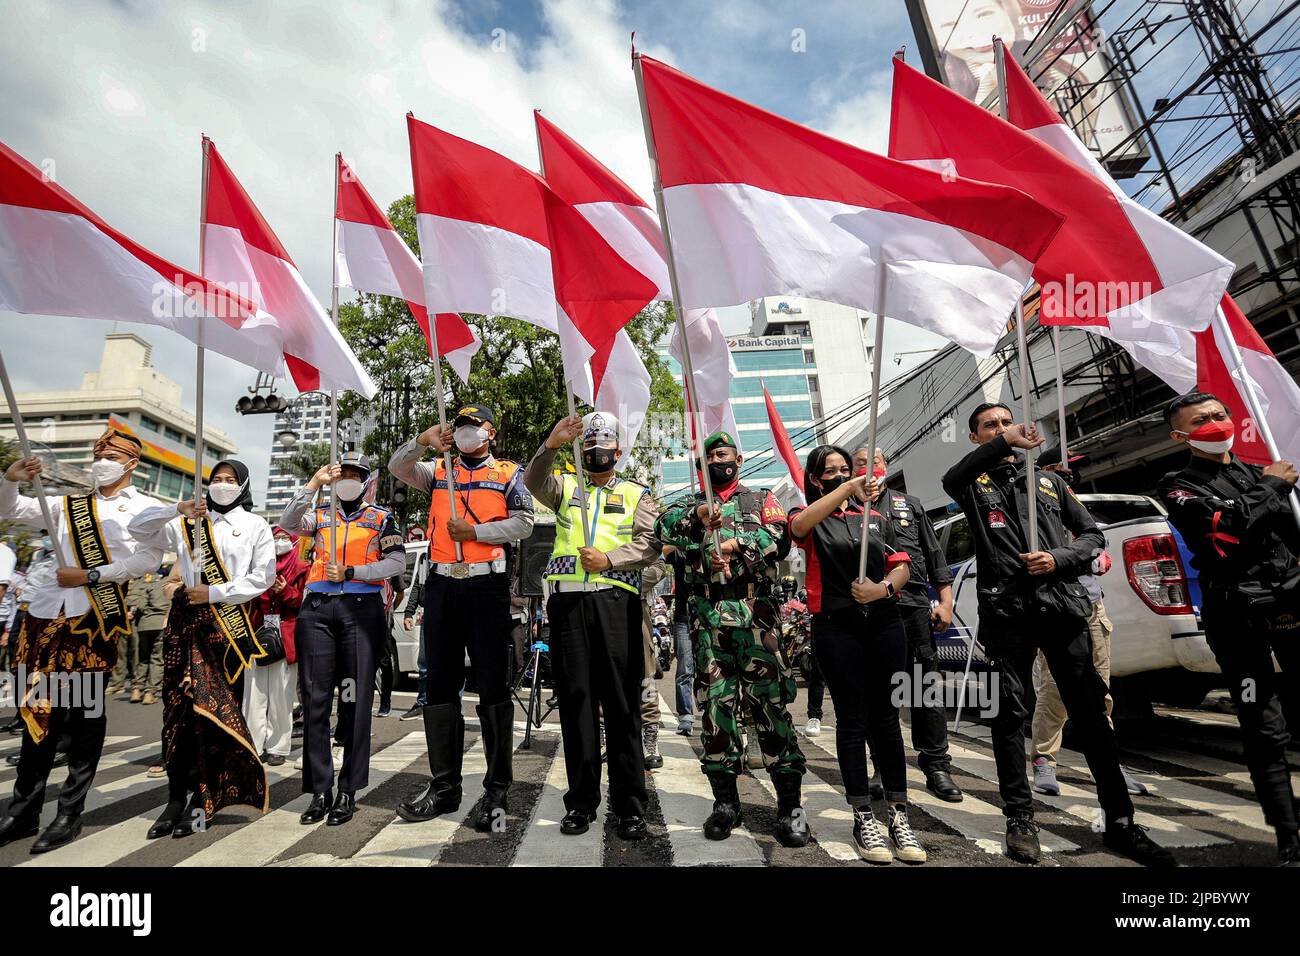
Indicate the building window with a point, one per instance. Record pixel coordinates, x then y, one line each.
812 384
149 423
808 357
170 483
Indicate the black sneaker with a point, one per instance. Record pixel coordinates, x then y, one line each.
1131 840
576 822
384 711
1022 840
414 711
274 760
1289 855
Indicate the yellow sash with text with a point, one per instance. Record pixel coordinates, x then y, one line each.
108 614
243 647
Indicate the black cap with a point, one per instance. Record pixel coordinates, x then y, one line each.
1052 456
475 413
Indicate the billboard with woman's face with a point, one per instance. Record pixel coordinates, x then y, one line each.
1074 71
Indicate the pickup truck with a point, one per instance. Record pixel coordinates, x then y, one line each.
1158 649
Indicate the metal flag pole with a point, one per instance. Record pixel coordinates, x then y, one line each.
1021 346
198 378
1060 393
881 272
1252 399
25 449
334 394
688 368
448 470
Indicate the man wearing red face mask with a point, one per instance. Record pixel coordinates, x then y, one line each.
1237 520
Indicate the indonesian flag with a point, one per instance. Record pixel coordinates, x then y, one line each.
1114 264
759 205
240 250
496 239
59 258
625 221
372 257
784 448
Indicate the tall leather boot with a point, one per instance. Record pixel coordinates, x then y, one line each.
791 823
444 735
498 724
726 807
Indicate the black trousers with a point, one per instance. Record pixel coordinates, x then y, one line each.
387 665
338 638
83 736
598 666
469 615
929 723
859 655
1243 644
1067 645
816 686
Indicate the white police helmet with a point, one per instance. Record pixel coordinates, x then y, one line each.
599 428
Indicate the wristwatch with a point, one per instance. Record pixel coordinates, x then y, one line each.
92 576
889 589
349 572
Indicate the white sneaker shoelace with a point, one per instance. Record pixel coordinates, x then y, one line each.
900 831
870 836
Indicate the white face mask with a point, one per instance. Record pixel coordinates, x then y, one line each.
471 437
224 493
283 546
107 472
348 489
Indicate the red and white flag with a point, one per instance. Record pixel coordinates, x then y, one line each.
496 239
373 257
625 221
59 258
759 205
240 250
1114 264
783 446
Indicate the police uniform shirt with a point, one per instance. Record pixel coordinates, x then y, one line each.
130 558
243 540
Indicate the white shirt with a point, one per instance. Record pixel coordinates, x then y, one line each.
8 563
129 558
243 540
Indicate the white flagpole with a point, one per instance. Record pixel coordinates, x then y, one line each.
1248 393
1060 393
25 449
1031 487
334 394
198 380
881 272
442 415
688 369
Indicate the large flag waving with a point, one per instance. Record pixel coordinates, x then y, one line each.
373 258
59 258
1114 264
241 250
759 205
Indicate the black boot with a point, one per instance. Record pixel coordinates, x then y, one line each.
345 805
726 807
939 782
319 806
444 734
498 723
61 832
12 828
791 824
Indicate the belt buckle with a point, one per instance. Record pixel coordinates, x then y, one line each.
460 570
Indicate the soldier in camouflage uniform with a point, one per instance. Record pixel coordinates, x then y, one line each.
733 623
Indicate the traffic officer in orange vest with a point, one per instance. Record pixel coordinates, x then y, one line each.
341 628
467 605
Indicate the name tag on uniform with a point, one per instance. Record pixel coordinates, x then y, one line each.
997 519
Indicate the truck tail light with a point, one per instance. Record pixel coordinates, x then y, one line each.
1155 572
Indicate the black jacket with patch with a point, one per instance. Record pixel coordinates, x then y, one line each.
914 533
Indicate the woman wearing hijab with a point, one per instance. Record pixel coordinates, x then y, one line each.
209 641
268 688
859 642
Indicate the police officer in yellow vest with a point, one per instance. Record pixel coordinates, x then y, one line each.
341 628
467 606
595 615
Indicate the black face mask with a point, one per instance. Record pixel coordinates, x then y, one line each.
722 473
830 484
599 460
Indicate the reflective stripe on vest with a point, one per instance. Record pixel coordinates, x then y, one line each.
358 541
609 530
484 490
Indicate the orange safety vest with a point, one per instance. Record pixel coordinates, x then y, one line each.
358 541
480 498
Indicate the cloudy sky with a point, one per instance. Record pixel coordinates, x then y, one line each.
117 95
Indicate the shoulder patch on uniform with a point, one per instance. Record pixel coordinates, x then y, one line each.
1179 495
392 540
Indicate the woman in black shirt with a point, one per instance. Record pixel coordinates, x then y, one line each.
859 643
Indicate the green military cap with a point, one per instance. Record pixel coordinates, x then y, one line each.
718 439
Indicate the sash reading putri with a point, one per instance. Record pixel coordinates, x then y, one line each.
233 619
108 614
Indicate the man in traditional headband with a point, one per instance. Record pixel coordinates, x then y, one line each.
72 626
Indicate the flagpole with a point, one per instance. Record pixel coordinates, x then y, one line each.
25 449
198 378
579 471
447 467
1252 400
881 272
688 369
1021 346
334 394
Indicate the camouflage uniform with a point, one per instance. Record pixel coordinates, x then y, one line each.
734 631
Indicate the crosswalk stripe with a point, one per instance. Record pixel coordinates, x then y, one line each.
1234 773
829 818
112 760
543 843
261 841
420 844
